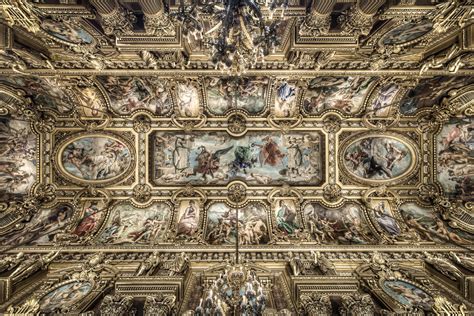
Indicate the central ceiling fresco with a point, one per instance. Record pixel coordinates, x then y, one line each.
325 160
325 167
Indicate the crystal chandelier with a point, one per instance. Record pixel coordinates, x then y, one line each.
237 291
239 35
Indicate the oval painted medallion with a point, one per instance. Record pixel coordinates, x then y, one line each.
95 158
378 158
407 32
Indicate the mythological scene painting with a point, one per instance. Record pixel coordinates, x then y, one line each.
188 218
65 295
242 93
382 104
286 100
407 32
344 225
378 158
67 32
96 158
384 216
42 228
286 217
188 99
90 102
408 294
128 94
48 93
252 223
130 225
455 160
18 160
217 158
93 214
431 227
430 92
346 94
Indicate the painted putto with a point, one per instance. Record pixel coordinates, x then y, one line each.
407 32
95 158
131 225
17 157
344 225
346 94
67 32
408 294
252 223
258 158
225 94
455 145
128 94
378 158
42 228
65 295
431 227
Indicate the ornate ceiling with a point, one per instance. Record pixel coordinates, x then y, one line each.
340 164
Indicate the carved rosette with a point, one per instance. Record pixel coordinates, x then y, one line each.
332 192
237 124
142 193
142 124
237 193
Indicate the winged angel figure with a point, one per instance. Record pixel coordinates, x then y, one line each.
207 162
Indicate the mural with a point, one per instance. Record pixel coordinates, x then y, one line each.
408 294
407 32
346 94
65 295
455 160
130 225
90 102
67 32
378 158
42 228
384 216
188 218
431 91
225 94
344 225
381 105
258 158
95 158
431 227
188 100
252 223
286 100
286 217
93 214
128 94
17 157
48 93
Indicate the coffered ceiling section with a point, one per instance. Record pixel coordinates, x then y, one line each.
151 161
131 124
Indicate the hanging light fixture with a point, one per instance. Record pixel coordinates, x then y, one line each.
239 35
237 291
